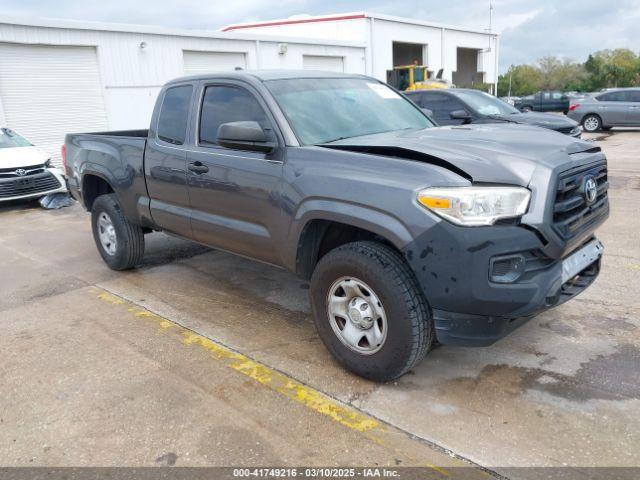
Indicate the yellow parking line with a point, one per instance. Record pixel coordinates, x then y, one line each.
276 381
290 388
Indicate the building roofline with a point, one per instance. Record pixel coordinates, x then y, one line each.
294 21
351 16
159 30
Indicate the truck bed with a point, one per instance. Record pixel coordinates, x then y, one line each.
117 157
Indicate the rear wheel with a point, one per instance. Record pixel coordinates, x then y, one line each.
120 243
592 123
369 310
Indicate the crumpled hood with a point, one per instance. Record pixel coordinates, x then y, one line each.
488 153
545 120
20 157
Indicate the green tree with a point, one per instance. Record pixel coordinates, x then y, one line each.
613 68
603 69
562 74
524 80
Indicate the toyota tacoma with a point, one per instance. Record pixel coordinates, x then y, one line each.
408 233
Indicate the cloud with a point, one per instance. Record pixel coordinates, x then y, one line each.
530 30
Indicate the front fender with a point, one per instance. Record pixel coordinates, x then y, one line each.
376 221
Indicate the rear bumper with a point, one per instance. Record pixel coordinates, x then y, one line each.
454 266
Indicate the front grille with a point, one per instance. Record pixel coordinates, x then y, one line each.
571 212
37 183
11 172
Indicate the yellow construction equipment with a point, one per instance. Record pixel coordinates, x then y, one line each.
415 77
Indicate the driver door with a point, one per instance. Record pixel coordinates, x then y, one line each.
234 194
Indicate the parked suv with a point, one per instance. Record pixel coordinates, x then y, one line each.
461 106
613 108
407 233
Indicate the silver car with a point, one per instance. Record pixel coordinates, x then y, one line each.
614 108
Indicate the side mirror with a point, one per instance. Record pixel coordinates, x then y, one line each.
460 115
244 136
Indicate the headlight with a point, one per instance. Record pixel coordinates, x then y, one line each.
474 206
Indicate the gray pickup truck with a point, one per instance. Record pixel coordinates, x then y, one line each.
409 233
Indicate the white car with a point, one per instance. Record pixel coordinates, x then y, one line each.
25 170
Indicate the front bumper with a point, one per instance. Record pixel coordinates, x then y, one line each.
454 265
40 184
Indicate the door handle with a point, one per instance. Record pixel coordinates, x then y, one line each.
198 167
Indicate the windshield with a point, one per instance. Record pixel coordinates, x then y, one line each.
486 104
321 110
10 139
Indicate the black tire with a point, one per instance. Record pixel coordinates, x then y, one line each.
410 330
592 123
129 248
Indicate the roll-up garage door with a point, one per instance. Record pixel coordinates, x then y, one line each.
207 62
323 62
47 91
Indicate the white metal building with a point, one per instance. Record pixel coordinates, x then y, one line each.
59 76
466 56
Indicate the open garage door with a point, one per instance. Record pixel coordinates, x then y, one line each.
207 62
47 91
467 74
323 62
408 54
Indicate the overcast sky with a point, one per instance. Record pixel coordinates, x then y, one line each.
530 28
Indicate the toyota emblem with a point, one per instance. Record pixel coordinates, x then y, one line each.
590 189
21 172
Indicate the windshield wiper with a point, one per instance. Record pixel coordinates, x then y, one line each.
334 140
500 117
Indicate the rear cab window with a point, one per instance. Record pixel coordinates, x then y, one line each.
174 114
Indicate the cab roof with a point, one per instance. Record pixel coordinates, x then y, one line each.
266 75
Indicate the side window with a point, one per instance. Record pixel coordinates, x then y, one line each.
613 97
546 96
224 104
556 95
441 105
418 99
634 95
174 114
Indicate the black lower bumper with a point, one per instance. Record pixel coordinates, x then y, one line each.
481 330
454 268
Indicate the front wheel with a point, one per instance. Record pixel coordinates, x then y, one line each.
120 243
591 123
369 310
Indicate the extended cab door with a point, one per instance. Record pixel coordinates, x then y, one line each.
235 194
165 161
